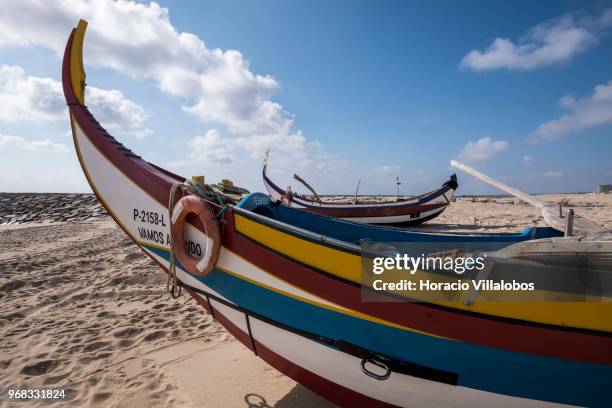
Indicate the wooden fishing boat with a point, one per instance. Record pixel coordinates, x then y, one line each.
285 283
404 211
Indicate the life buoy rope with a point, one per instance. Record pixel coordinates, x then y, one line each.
225 194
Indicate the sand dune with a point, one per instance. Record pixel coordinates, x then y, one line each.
83 309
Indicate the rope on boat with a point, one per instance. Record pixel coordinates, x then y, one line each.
171 284
224 194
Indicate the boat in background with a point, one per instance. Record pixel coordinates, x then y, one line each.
399 211
290 293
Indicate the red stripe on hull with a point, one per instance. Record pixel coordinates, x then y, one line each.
360 212
333 392
234 330
515 336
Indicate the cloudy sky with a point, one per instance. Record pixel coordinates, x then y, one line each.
339 90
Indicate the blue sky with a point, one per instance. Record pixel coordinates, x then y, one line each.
339 90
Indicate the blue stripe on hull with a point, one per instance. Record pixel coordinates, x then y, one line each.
479 367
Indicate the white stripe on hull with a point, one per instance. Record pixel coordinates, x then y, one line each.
300 203
392 219
123 196
344 370
274 195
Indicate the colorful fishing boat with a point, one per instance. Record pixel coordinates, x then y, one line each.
398 211
285 283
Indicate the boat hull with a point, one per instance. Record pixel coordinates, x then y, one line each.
297 355
401 213
327 371
309 335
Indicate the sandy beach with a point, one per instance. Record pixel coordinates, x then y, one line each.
84 310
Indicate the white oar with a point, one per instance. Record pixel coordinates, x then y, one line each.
551 212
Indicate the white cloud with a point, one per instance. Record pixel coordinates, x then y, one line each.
26 98
29 98
548 43
139 40
527 159
233 96
116 112
482 149
212 148
553 174
289 152
592 111
10 141
176 165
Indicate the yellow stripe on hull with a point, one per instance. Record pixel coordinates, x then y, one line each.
342 264
583 315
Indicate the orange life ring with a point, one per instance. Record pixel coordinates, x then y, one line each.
195 205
